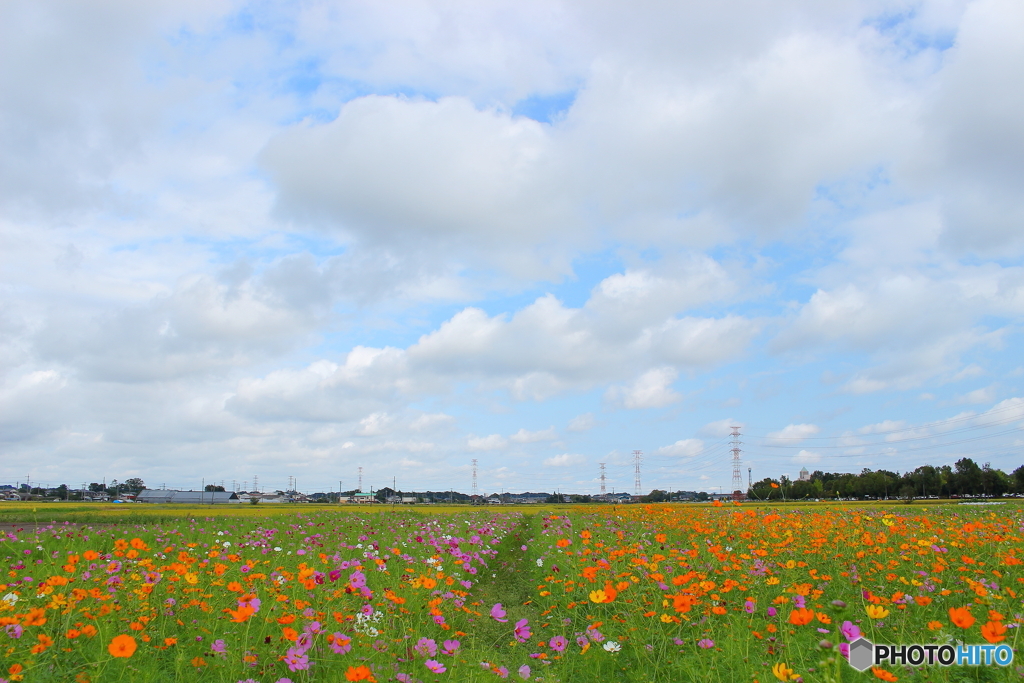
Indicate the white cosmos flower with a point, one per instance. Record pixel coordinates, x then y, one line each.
10 599
540 561
612 646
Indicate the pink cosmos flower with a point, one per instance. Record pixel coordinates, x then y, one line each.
706 643
558 643
850 630
450 646
524 672
340 643
498 613
435 666
296 659
426 647
749 607
522 630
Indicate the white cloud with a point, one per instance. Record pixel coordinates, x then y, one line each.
683 448
806 457
653 389
493 442
524 436
720 428
581 423
565 460
979 396
792 434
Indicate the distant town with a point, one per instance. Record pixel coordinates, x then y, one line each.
964 479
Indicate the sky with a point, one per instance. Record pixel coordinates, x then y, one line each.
291 240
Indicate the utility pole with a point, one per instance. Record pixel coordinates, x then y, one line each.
636 472
602 479
737 478
360 480
474 479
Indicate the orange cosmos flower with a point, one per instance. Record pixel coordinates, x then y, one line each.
241 614
934 625
286 619
89 630
993 632
170 641
718 609
961 616
801 617
923 600
198 662
235 587
660 538
563 542
35 617
122 646
883 674
360 673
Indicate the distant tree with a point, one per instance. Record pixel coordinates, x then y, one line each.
968 477
1018 479
97 488
656 496
213 487
702 496
135 484
62 491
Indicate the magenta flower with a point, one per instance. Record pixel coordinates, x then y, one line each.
749 607
772 611
522 630
850 630
706 643
219 646
426 647
844 649
498 613
435 666
450 646
403 678
296 659
524 672
558 643
14 630
340 643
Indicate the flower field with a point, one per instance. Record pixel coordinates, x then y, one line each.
634 593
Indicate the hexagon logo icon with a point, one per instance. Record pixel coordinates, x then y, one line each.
862 654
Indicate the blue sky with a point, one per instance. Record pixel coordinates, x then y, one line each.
292 240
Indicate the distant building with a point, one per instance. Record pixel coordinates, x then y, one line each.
191 497
804 474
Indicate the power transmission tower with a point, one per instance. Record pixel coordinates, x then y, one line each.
360 480
474 477
749 480
602 479
636 471
737 478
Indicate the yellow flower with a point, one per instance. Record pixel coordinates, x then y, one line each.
876 611
783 672
598 596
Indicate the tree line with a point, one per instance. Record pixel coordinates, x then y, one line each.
964 479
